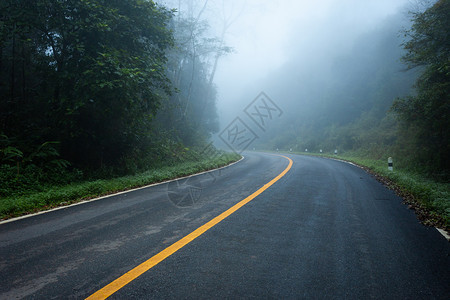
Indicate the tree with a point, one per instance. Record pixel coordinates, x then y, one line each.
87 73
190 114
428 112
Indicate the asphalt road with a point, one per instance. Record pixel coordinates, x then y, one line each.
326 229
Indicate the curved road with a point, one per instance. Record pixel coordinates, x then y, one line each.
326 229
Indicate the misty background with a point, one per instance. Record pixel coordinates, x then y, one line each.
104 89
328 65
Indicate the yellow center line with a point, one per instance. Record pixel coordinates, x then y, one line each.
131 275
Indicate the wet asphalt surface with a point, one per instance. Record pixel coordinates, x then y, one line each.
326 230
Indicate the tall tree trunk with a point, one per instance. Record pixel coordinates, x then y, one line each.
216 58
227 22
1 60
13 67
24 82
194 54
188 98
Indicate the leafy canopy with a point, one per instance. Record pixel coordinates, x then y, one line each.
428 112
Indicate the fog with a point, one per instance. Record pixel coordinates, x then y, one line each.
302 54
270 35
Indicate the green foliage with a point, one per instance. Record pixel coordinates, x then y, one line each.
428 37
53 196
89 74
100 78
11 154
353 110
30 165
112 87
428 112
355 114
32 169
190 116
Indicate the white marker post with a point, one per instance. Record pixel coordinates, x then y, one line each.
390 164
320 150
335 152
306 150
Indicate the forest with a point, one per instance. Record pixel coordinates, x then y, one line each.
387 96
98 89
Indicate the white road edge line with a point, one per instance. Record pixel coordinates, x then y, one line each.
444 233
441 231
345 161
112 195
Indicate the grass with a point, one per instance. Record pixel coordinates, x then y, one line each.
429 198
63 195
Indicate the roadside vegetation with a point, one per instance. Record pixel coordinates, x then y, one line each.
26 194
99 90
94 92
389 97
427 196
